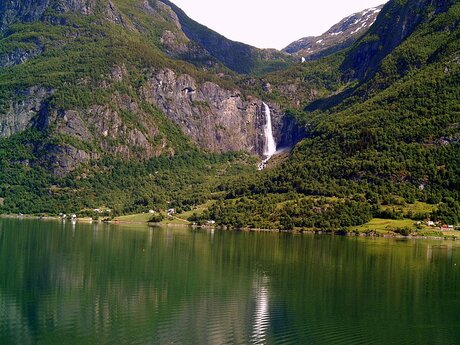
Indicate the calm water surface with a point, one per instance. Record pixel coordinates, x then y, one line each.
101 284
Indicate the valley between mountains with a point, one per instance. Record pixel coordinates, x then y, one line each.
111 108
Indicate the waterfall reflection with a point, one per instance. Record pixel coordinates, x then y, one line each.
261 315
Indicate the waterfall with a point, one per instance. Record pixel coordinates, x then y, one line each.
270 144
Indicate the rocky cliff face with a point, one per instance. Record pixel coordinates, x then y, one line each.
18 10
24 110
100 130
29 11
19 55
289 132
341 35
217 119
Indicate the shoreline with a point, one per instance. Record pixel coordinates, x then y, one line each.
349 233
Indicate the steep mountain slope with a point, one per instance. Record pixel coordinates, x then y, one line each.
397 22
93 74
391 137
340 36
90 87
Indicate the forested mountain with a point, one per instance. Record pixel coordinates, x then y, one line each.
132 105
93 84
388 131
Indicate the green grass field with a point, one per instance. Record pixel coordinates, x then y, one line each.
181 219
415 208
385 225
134 218
177 219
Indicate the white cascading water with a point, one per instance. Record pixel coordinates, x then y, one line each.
270 144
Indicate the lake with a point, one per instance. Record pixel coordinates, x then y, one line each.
62 283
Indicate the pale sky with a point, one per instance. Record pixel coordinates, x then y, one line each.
269 23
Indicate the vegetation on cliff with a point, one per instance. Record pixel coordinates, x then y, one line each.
394 135
381 129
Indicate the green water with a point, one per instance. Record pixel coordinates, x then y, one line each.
102 284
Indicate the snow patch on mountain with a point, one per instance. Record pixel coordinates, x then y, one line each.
338 36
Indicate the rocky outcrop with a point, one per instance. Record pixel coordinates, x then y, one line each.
85 7
217 119
61 159
19 56
22 110
18 10
290 132
171 16
29 11
104 128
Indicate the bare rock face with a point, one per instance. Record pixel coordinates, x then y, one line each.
113 15
173 43
12 11
290 133
85 7
171 15
217 119
104 128
15 10
19 56
23 110
61 159
118 138
101 127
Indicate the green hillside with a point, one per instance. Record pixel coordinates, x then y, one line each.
133 106
393 137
